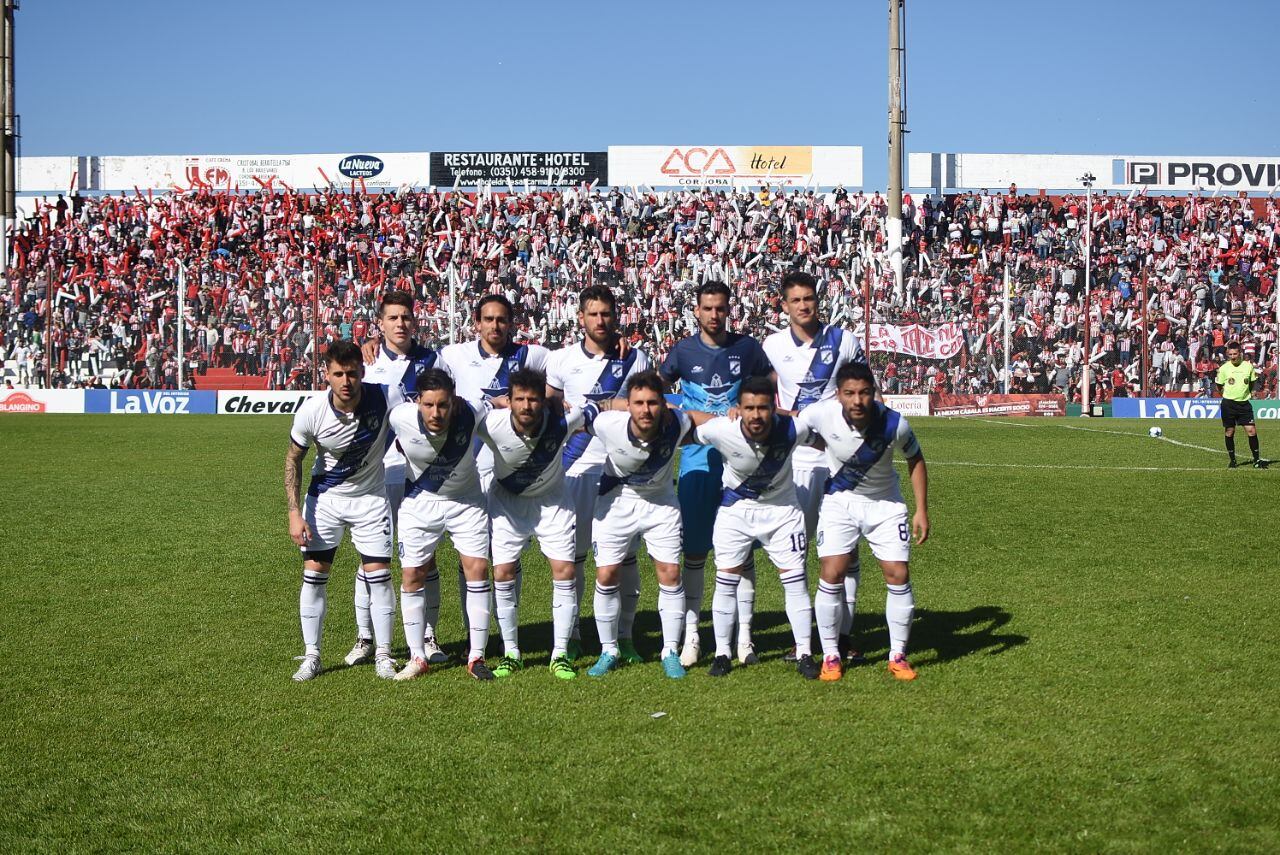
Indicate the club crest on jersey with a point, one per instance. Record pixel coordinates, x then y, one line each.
513 364
826 356
616 368
735 366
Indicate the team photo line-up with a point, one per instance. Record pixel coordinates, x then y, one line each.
781 443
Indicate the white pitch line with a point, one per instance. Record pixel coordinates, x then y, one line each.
1070 466
1093 430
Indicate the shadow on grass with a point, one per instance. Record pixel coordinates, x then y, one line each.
948 635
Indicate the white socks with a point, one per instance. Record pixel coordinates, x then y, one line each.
694 578
382 608
899 607
430 604
827 607
671 614
507 597
579 590
746 600
364 621
311 607
564 614
852 577
477 614
413 612
629 589
607 605
724 611
795 589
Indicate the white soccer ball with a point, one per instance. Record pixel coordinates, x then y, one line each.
1156 433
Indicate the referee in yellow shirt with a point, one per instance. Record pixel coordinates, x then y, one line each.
1235 381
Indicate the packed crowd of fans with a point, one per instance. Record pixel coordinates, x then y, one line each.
271 276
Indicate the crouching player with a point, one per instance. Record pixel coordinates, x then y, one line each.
348 427
862 499
436 435
527 497
638 499
758 503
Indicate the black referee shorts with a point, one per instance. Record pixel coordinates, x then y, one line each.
1236 413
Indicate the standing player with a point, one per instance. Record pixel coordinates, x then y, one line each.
758 503
482 368
595 369
527 498
805 358
437 435
1235 381
636 500
395 364
348 427
862 499
710 367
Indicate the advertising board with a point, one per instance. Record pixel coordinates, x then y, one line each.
742 165
238 402
1110 171
156 401
36 401
470 168
1174 408
997 405
908 405
254 171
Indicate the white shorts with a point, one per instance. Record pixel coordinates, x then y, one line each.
779 528
368 517
620 518
514 518
810 485
844 519
581 493
424 522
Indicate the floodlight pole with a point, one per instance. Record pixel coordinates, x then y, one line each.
1087 179
1005 314
1146 337
8 169
182 320
897 61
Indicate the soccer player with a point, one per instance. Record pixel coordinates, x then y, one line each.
1235 381
437 435
527 498
758 503
862 499
805 359
710 367
348 427
395 364
637 499
481 369
595 369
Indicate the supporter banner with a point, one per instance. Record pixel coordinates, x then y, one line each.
1110 171
515 167
941 342
255 403
31 401
1168 408
997 405
166 402
908 405
723 165
252 171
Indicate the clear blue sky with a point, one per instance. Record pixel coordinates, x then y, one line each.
280 76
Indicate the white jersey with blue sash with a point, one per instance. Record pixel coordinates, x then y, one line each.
756 472
480 375
641 468
807 370
861 463
530 466
439 465
349 446
398 374
585 377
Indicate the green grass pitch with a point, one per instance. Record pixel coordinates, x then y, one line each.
1095 635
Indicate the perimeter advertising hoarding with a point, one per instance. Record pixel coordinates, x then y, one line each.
997 405
1264 409
261 403
153 401
908 405
741 165
1110 171
253 171
471 168
39 401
